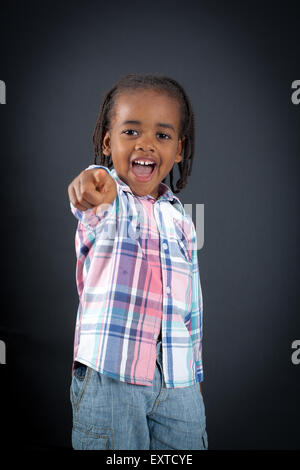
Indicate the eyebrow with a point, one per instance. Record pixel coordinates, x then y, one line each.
158 124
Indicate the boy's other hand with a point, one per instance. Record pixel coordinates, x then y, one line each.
91 189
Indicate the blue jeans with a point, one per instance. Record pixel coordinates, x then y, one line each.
110 414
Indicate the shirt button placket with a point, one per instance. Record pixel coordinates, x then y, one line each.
165 247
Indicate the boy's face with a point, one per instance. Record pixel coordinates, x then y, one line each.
148 137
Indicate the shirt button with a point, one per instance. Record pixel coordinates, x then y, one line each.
165 246
168 290
155 336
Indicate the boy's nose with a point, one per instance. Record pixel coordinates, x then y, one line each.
144 145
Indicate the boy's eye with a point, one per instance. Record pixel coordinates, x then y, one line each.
129 130
165 135
160 133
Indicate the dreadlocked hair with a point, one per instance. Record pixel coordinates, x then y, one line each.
165 85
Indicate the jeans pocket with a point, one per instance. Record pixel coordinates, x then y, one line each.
79 384
85 437
80 370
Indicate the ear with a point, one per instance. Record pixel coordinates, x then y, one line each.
106 144
178 157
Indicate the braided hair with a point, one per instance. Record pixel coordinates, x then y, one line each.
165 85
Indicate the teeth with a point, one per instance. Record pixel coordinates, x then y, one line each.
143 163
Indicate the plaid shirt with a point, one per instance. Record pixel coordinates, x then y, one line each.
137 274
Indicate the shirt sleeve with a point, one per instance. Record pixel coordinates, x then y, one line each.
197 309
88 218
84 243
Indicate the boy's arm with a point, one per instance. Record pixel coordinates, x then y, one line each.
88 224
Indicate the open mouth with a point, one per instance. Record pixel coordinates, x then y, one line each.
143 171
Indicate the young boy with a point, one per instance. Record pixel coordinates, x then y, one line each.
138 340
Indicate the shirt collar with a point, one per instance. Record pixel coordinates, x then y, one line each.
165 192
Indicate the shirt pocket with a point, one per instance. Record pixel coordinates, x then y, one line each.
131 249
183 240
132 236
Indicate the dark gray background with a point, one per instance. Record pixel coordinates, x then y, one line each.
237 61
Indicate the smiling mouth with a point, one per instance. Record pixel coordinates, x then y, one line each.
143 172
